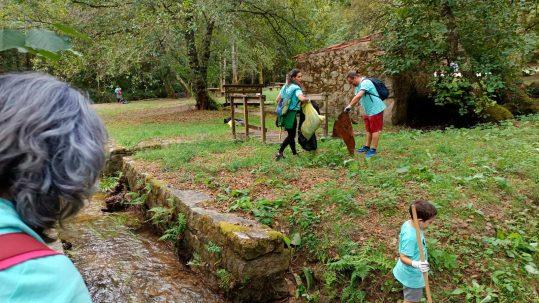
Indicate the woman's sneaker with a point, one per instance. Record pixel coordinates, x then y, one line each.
371 153
362 150
279 156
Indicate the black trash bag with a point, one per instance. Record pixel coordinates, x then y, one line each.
308 145
311 144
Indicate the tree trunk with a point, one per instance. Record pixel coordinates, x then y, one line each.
235 79
221 71
199 66
452 35
28 62
224 73
169 89
260 74
188 89
17 61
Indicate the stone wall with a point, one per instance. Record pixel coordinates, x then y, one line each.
252 259
325 70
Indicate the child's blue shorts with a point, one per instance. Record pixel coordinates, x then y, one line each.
413 294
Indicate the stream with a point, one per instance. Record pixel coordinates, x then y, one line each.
122 260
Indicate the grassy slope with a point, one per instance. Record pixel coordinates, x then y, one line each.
345 213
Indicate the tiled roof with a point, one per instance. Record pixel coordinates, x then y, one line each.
336 46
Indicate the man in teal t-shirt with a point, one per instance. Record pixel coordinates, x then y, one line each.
374 107
47 279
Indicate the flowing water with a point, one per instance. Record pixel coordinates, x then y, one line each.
121 260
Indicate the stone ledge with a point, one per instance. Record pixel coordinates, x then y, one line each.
252 254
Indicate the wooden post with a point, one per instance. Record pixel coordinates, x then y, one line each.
263 118
421 252
246 116
231 102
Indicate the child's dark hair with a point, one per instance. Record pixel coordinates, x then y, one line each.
425 210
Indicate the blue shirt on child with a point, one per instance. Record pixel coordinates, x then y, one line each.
409 276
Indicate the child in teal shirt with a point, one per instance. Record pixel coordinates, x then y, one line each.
409 269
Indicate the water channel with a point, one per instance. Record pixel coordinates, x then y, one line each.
122 260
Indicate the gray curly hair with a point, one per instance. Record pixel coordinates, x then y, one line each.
52 148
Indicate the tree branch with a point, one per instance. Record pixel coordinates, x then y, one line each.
93 5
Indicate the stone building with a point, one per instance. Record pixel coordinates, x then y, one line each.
325 70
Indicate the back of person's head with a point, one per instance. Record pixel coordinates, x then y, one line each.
52 148
425 210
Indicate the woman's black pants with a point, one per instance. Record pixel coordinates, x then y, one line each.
291 138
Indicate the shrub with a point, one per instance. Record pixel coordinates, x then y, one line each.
497 113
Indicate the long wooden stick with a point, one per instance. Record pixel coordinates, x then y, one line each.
421 252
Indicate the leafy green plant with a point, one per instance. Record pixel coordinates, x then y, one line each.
108 183
303 290
243 203
137 198
264 210
174 231
514 245
355 268
224 279
213 248
441 259
507 282
476 293
195 261
160 215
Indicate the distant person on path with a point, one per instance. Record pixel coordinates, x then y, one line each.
52 150
293 92
409 269
374 111
119 95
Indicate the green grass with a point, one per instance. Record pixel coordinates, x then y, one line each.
111 110
127 135
344 213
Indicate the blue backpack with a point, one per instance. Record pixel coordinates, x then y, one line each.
282 106
381 88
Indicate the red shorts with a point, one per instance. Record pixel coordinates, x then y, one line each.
374 123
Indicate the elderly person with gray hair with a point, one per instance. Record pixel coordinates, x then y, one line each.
51 154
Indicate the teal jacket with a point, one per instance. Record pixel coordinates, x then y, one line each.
48 279
292 92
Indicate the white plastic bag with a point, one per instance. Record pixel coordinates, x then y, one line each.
312 121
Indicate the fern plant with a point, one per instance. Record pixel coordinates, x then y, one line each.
108 183
160 215
174 232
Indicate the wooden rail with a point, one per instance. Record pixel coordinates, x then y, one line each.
249 95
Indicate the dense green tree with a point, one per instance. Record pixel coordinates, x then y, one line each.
474 48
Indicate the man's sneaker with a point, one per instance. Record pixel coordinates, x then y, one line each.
279 156
364 149
371 153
